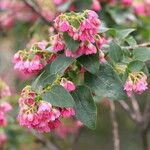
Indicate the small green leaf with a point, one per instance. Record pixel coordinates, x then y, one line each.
80 4
106 83
42 80
85 106
142 54
58 96
122 34
136 66
70 43
91 62
131 41
115 52
60 64
112 32
75 23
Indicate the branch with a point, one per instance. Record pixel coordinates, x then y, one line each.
130 112
142 45
136 109
114 126
146 114
45 141
36 10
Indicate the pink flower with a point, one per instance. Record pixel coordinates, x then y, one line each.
64 26
139 9
126 2
68 85
96 6
102 57
5 107
28 65
141 85
67 112
136 82
3 121
57 43
40 115
58 2
42 45
68 53
128 87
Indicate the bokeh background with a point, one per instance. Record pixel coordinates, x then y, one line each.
21 25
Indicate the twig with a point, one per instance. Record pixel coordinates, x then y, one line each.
35 9
114 126
142 45
144 140
44 140
136 109
126 107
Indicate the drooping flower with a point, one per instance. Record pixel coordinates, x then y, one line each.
33 60
68 85
40 115
136 82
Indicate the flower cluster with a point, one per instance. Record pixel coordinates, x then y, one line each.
136 82
34 60
38 114
80 27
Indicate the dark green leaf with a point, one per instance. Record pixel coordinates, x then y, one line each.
122 34
42 80
60 64
85 107
80 4
115 52
58 96
142 54
91 62
70 43
131 41
136 66
112 32
106 83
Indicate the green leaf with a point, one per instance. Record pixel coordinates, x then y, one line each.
142 54
112 32
131 41
61 64
42 80
58 96
71 44
115 52
136 66
80 4
122 34
85 106
106 83
75 23
91 62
